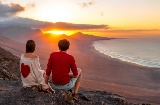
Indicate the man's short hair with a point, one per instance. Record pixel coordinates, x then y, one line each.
63 45
30 46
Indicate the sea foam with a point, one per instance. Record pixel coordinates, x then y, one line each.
139 53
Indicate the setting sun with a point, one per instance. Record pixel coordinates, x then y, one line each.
55 32
59 32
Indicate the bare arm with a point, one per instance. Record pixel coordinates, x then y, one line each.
48 70
71 75
79 72
46 81
74 70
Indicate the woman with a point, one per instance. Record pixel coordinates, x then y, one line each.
31 73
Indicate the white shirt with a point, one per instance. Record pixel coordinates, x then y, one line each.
31 73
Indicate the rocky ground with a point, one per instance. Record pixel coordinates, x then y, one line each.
12 92
9 66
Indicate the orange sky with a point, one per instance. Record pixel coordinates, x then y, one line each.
125 18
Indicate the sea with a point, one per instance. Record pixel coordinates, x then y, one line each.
141 51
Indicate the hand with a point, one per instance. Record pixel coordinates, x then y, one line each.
72 76
53 91
50 88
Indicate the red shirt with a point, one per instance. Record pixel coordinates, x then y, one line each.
60 64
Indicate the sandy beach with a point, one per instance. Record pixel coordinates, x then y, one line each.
100 72
134 82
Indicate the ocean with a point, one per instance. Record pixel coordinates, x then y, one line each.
142 51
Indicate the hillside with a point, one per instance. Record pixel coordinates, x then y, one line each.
9 66
87 37
12 93
19 33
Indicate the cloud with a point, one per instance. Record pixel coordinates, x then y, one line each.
86 4
18 21
10 10
71 26
8 18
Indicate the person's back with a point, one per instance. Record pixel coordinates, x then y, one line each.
60 63
31 73
28 69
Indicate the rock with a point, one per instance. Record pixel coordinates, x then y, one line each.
9 66
12 93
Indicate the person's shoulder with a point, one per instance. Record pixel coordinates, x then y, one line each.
54 53
29 56
71 56
34 56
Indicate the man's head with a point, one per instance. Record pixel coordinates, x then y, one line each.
63 45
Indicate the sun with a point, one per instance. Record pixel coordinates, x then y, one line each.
59 32
55 32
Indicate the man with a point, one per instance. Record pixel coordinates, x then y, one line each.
59 64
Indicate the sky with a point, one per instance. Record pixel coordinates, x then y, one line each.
117 18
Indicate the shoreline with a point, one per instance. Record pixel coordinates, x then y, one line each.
135 82
130 59
129 63
119 59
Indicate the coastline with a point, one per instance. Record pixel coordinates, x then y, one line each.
135 82
119 60
143 61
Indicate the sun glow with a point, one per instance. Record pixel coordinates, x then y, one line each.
59 32
55 32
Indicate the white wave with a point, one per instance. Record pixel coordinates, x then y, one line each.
136 60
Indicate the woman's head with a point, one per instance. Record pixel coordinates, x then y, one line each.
30 46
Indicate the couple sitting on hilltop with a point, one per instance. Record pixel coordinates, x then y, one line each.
59 65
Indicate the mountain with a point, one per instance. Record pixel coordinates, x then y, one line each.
19 33
22 34
87 37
